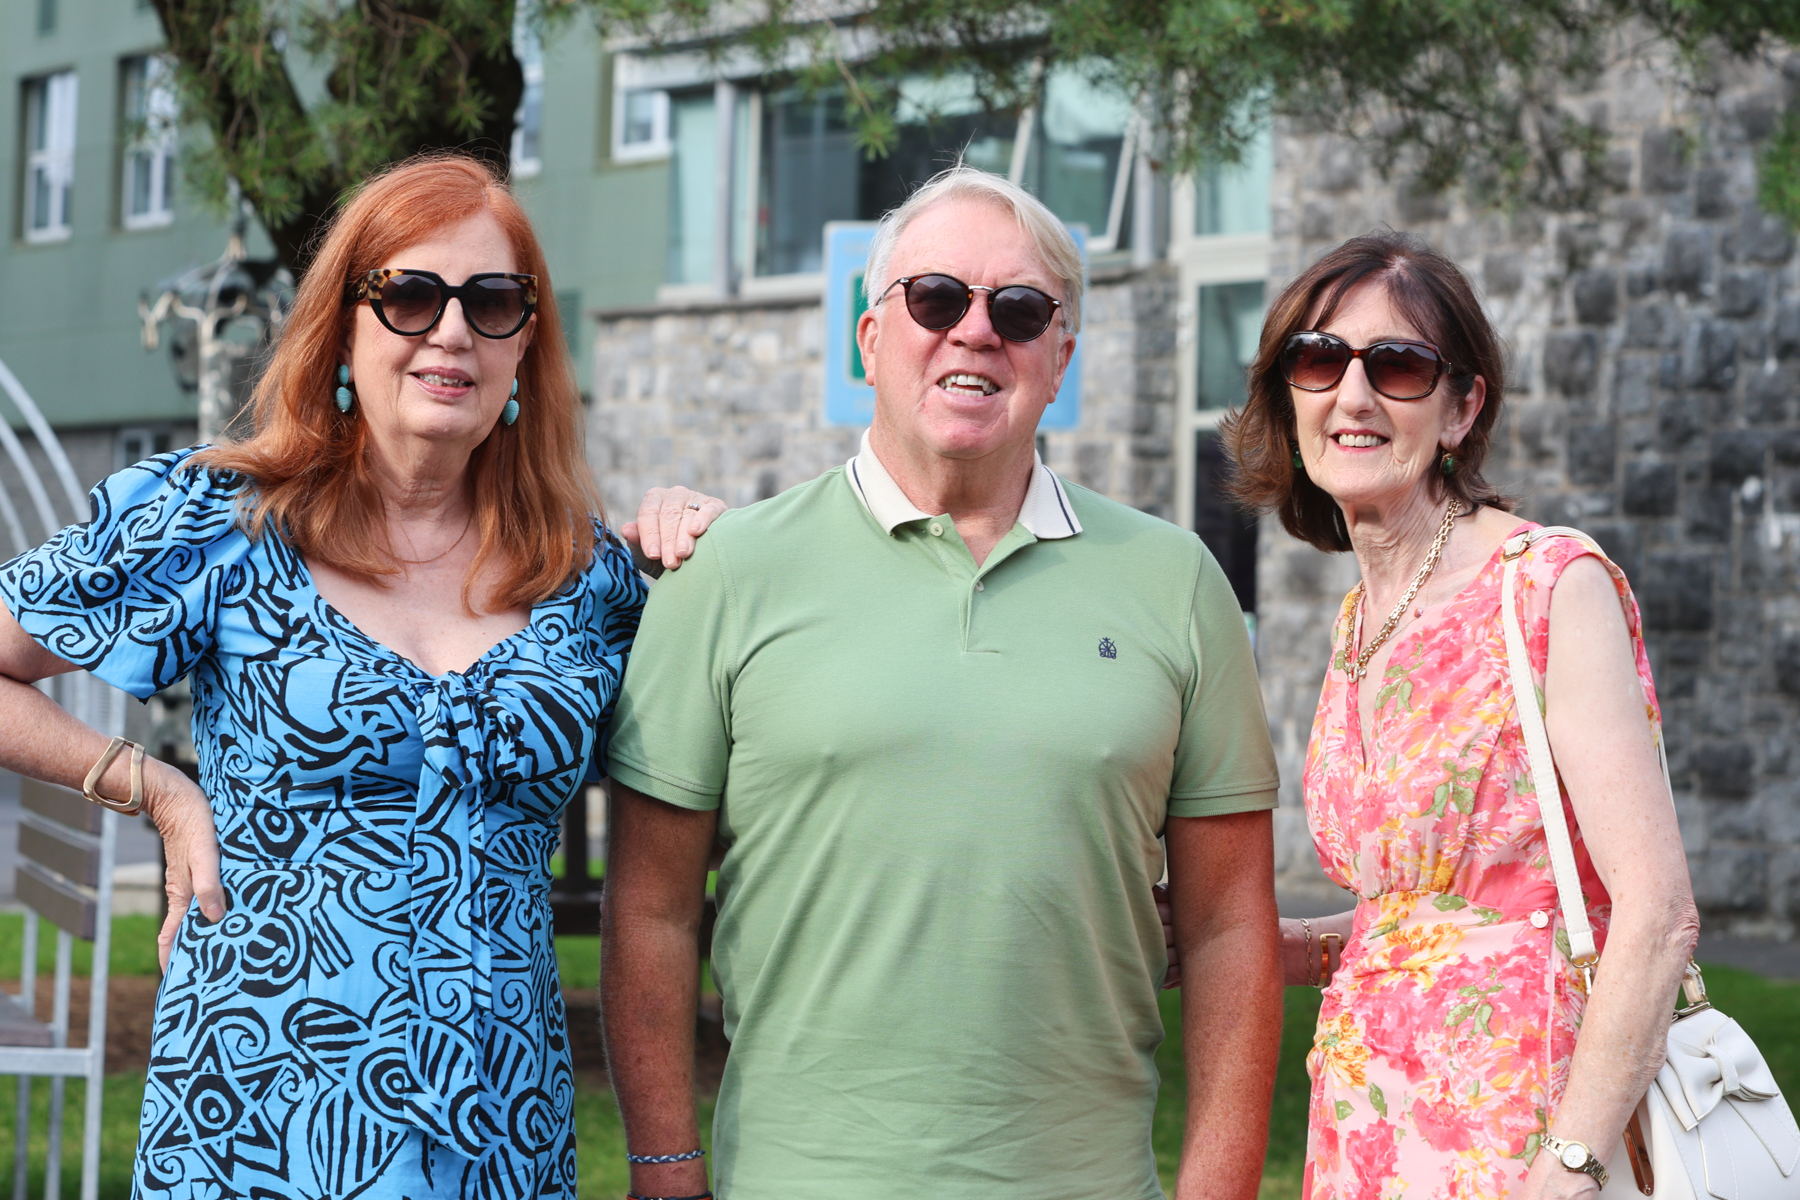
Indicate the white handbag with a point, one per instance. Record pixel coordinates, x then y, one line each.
1714 1124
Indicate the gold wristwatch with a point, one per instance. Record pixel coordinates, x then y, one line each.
1575 1156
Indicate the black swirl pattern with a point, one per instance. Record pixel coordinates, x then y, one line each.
379 1014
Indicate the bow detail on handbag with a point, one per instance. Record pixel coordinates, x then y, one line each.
1712 1059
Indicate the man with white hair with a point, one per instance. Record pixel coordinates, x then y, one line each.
938 708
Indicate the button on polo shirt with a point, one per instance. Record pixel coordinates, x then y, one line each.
940 788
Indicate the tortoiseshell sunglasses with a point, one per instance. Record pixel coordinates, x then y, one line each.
495 304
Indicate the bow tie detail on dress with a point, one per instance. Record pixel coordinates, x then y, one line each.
471 743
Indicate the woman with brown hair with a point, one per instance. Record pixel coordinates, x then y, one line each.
1457 1037
405 627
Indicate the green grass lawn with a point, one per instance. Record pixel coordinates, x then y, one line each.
133 947
1768 1010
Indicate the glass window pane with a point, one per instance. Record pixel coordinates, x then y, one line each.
1075 147
810 168
40 199
1230 325
692 164
1234 198
812 172
138 180
1228 531
530 123
37 113
931 139
639 124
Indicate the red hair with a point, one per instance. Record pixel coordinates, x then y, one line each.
534 495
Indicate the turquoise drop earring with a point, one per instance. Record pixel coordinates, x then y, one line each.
345 397
510 413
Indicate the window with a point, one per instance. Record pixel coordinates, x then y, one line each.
1234 198
811 174
939 119
1080 154
1228 531
50 156
46 16
640 124
150 115
135 444
528 121
810 170
694 142
1230 326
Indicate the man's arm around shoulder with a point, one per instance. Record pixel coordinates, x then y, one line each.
650 980
1222 893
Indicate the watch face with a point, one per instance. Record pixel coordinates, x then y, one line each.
1573 1155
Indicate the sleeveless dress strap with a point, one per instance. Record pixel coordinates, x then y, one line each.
1545 783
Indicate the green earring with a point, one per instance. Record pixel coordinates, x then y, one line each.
345 397
510 413
1299 464
1448 464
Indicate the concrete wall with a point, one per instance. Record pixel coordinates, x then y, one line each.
1654 402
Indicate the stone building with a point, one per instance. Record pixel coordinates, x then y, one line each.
1654 402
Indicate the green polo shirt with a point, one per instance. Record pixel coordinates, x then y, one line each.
940 789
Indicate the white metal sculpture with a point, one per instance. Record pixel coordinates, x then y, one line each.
102 707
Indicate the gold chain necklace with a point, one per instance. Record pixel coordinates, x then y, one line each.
421 562
1360 667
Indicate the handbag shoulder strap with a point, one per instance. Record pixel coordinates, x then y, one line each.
1529 704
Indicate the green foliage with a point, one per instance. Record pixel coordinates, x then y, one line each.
1445 92
1778 176
403 76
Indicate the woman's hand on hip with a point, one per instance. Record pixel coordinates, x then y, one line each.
668 522
190 848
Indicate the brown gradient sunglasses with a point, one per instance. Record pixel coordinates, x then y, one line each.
1399 369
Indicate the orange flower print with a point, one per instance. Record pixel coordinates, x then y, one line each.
1423 949
1342 1052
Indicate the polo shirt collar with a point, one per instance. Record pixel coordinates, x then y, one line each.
1046 513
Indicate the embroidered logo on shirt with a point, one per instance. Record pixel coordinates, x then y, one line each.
1107 649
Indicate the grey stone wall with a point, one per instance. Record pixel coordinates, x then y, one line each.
1654 402
728 399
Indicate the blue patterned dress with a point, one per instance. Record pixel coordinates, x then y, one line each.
378 1015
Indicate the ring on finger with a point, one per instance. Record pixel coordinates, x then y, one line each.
694 504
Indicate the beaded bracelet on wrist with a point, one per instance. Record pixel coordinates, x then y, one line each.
648 1159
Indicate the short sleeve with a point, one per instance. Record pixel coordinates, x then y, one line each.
671 733
133 593
1224 762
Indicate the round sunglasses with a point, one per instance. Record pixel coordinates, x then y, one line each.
409 303
937 302
1397 368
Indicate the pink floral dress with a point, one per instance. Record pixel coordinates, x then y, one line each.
1444 1041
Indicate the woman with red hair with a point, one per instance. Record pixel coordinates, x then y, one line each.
405 628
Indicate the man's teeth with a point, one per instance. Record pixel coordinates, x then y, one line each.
974 383
1359 439
436 380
